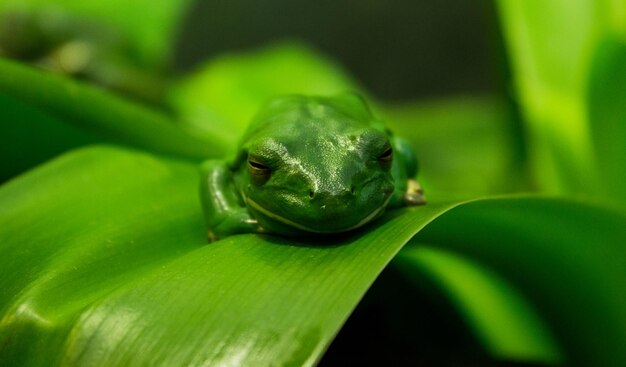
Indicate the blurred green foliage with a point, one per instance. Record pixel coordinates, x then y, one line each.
227 91
555 47
103 255
143 30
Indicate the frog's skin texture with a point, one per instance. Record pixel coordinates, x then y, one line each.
309 165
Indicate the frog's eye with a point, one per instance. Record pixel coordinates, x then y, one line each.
386 158
259 173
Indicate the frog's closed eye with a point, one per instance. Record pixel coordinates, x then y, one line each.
386 158
259 173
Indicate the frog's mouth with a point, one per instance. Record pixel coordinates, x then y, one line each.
289 222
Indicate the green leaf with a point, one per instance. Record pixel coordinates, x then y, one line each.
105 255
48 114
230 89
104 261
607 113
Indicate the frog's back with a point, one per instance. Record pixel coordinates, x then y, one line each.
298 116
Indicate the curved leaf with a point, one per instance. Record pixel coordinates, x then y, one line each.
105 254
105 262
79 113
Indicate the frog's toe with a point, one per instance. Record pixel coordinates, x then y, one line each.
212 236
414 194
234 223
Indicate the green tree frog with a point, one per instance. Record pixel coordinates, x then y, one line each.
309 165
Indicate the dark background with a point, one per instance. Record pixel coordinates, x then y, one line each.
398 49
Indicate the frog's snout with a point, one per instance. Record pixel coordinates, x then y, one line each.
343 194
348 197
325 199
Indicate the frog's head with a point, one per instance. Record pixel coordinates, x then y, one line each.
316 164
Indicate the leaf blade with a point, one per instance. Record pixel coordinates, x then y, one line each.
111 117
77 266
107 265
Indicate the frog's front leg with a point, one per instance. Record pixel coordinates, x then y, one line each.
224 212
408 191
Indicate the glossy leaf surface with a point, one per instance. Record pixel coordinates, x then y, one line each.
117 262
105 262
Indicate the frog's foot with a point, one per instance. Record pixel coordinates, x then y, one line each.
414 194
234 225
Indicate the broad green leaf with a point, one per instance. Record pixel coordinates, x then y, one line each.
43 114
566 258
144 30
229 89
551 44
105 262
607 112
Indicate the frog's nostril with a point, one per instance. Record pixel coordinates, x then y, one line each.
352 190
311 194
